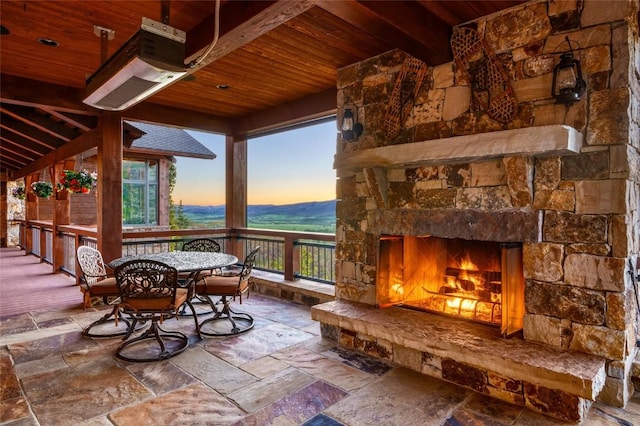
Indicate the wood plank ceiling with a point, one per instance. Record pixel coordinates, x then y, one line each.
279 60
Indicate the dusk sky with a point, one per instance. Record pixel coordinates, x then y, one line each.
284 168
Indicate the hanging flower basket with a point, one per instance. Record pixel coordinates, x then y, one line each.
79 182
19 192
42 189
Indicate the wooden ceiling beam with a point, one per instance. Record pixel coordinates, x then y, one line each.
176 117
404 24
29 132
11 159
79 145
82 122
9 164
308 108
33 93
18 150
44 124
243 24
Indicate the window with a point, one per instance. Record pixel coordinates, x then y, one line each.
291 183
140 192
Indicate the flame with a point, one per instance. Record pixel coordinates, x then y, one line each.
468 270
466 263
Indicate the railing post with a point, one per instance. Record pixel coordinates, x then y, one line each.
21 235
288 258
234 245
77 241
43 244
29 240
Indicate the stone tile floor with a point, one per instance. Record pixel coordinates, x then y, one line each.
280 373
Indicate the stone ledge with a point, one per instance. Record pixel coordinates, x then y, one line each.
531 141
304 292
574 373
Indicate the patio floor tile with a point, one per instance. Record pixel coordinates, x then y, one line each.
297 407
193 405
424 401
67 397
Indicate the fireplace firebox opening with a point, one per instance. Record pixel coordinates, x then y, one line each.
481 281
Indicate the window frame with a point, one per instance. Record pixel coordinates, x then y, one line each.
148 184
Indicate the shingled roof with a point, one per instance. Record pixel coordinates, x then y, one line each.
168 141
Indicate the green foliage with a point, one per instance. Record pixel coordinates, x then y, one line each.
180 221
177 218
173 176
42 189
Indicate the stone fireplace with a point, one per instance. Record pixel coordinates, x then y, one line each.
537 219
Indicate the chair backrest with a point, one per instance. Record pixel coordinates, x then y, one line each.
147 284
91 264
247 266
202 244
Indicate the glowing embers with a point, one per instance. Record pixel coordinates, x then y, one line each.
470 292
471 288
462 278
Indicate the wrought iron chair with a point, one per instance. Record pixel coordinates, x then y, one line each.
227 287
149 291
202 244
96 283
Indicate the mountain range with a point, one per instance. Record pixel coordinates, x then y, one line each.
309 209
313 216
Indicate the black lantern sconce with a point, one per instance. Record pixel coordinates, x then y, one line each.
350 129
568 85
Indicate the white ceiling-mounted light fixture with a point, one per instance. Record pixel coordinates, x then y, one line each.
150 60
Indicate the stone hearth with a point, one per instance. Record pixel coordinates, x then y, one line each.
523 373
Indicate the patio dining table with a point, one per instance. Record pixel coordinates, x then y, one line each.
191 262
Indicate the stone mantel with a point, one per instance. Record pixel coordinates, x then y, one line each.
530 141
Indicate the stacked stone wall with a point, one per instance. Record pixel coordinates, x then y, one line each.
580 294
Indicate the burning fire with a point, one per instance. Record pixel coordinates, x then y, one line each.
467 269
466 263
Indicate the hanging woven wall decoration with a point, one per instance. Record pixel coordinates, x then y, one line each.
490 85
404 93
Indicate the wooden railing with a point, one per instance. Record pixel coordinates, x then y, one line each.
307 255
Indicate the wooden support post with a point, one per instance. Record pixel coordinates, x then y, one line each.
61 213
4 222
236 181
30 211
110 187
236 188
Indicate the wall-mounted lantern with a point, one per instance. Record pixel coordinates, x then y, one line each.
350 129
568 84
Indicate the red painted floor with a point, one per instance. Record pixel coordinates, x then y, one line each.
26 285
